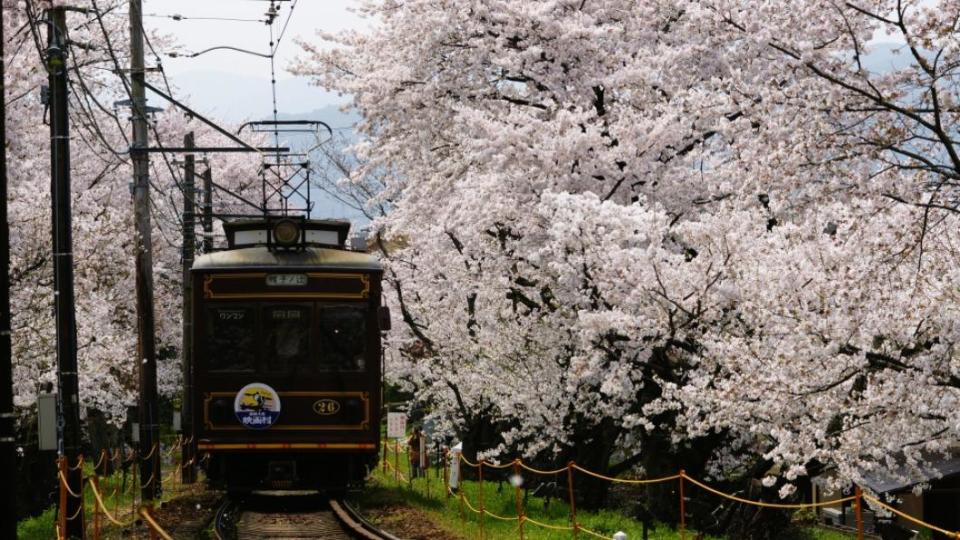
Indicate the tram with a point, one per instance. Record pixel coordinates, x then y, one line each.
287 357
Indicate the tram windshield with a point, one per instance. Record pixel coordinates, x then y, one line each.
343 338
231 338
291 338
286 336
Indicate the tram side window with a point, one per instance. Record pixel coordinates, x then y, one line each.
286 336
231 338
343 338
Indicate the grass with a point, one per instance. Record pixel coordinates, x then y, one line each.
43 526
500 498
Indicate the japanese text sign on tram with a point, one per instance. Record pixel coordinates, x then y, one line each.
396 425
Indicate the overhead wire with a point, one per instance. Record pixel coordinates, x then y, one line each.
178 17
283 31
111 52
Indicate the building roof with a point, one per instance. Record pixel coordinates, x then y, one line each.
904 478
311 257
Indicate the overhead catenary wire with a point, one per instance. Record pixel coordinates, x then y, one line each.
178 17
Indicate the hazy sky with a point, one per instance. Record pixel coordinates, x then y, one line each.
248 74
234 86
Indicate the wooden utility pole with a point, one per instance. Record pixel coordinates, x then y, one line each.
8 430
189 247
146 345
207 210
63 267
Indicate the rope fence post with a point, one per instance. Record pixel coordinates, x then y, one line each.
858 508
62 511
446 474
683 507
134 465
482 508
386 456
573 501
96 509
460 488
396 461
116 481
516 484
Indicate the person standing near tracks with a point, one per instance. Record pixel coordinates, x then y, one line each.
413 452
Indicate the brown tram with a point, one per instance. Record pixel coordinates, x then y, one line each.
287 363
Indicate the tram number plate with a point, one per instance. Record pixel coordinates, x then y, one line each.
286 280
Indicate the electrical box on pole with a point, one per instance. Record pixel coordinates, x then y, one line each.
47 421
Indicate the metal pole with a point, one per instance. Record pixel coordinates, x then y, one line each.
207 211
63 265
8 432
188 471
146 358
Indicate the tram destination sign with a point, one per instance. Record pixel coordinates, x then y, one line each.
287 280
318 285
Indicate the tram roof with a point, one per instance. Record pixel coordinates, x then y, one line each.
310 257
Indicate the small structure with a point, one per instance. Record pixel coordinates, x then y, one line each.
938 503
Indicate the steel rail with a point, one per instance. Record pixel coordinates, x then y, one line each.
357 525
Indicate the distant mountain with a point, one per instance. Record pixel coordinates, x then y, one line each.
331 114
235 98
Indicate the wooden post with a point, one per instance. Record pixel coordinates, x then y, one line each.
396 461
683 508
573 500
460 488
83 511
516 474
446 474
116 482
482 508
96 508
859 512
61 474
135 466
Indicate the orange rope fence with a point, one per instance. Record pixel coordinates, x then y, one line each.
681 477
119 460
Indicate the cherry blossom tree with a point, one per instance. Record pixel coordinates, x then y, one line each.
668 234
102 210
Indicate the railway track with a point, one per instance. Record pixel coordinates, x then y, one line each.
292 517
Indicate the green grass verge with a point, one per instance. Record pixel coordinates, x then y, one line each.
500 498
43 526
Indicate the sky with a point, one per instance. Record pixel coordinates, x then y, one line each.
234 85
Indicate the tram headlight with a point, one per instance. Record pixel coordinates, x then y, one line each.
286 232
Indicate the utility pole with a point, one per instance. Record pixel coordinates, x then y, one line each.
146 357
63 265
8 428
207 210
189 247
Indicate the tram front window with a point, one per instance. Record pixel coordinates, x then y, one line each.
231 338
343 338
286 336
